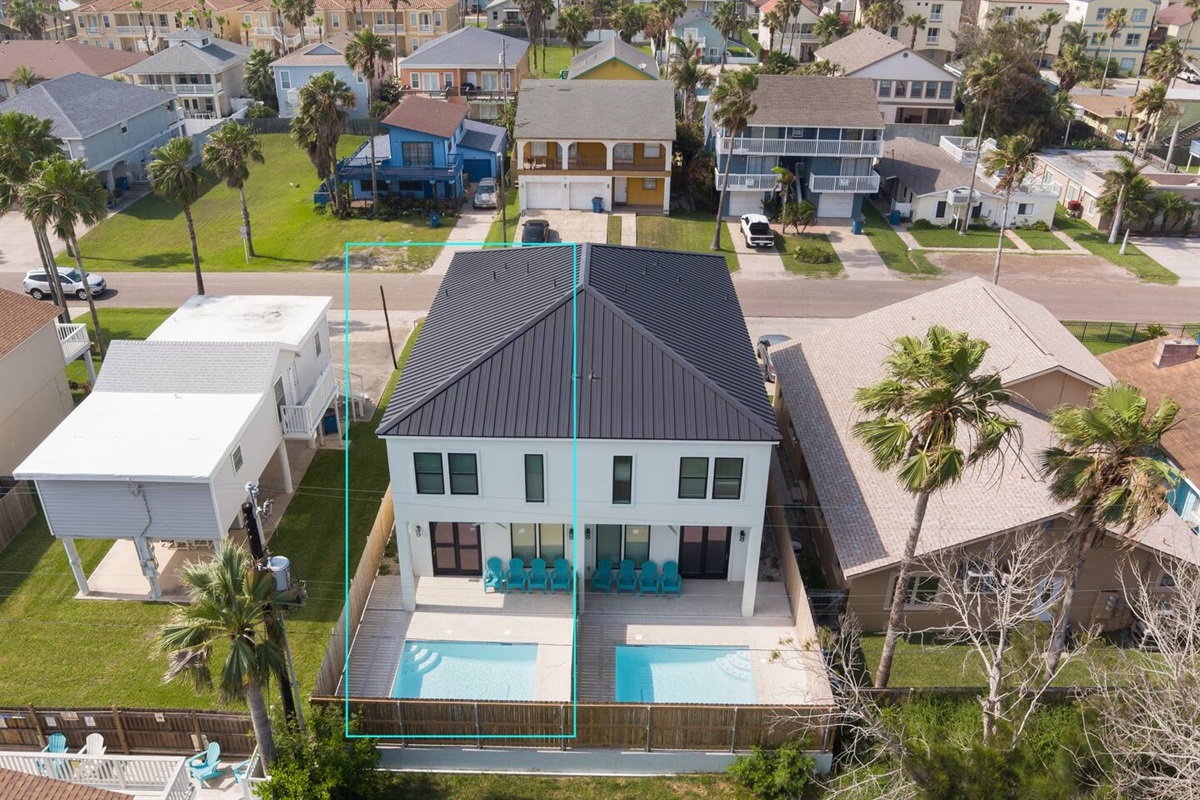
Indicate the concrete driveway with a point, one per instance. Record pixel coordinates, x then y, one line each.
1181 256
571 226
18 247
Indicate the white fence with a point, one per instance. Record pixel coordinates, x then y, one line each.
161 777
859 184
743 145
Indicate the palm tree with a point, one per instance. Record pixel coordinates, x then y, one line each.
1047 20
829 27
531 11
933 401
574 24
628 20
983 84
26 140
785 179
727 19
688 75
297 12
1117 182
1012 159
1152 105
260 78
1073 34
246 26
27 16
1072 65
669 11
138 5
1194 5
174 177
773 24
64 194
1105 464
883 14
24 77
367 53
733 104
319 123
1174 207
917 23
395 4
1064 111
1114 23
788 11
1166 62
228 154
230 606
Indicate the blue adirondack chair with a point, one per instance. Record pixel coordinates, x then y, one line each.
55 743
538 577
670 580
602 578
648 581
516 575
562 575
626 579
204 765
493 578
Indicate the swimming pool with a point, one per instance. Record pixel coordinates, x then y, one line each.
466 670
684 674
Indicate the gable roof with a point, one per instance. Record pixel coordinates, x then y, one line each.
51 59
20 318
867 511
468 47
23 786
482 136
494 358
426 115
1174 14
860 49
1135 365
610 50
83 105
188 56
640 110
818 101
187 367
329 53
923 168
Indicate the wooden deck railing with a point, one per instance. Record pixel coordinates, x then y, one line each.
128 731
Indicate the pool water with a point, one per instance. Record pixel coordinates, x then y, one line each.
684 674
466 671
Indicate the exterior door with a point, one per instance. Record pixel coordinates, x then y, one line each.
621 190
704 552
456 549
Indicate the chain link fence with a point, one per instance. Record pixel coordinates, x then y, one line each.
1105 336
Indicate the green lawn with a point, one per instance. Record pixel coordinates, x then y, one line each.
117 323
786 245
1096 242
110 643
891 247
685 230
513 209
289 234
948 237
526 787
614 229
1103 337
1041 240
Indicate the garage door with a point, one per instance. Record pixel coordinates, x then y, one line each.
835 206
744 203
542 195
476 168
582 194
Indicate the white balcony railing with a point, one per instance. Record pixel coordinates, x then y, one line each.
194 88
300 421
748 183
74 340
960 148
158 777
272 31
386 29
801 147
858 184
131 30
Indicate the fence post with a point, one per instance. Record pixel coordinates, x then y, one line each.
37 724
400 721
733 733
1108 334
562 726
478 730
197 736
120 729
1133 333
648 710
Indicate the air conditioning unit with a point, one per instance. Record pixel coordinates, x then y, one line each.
958 197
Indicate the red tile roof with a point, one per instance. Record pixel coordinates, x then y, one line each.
55 59
20 318
1175 14
435 117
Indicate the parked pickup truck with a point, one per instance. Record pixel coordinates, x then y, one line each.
756 230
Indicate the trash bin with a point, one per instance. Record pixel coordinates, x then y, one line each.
857 225
329 423
894 218
435 220
598 205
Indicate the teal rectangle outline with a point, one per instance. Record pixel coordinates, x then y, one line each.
574 490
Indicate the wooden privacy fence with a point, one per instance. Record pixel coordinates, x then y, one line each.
129 731
806 627
357 126
334 662
16 509
621 726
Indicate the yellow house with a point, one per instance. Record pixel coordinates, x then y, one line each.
614 60
1009 10
935 41
1129 46
1177 21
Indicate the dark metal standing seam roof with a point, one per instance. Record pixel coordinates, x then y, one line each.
494 358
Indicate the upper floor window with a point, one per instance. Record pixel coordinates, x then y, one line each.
917 88
379 18
693 478
428 469
236 458
285 79
335 20
894 32
885 88
437 19
535 478
947 91
417 153
935 12
317 342
1133 39
622 481
900 89
464 473
1101 13
727 479
124 128
932 35
1137 15
651 150
245 19
919 590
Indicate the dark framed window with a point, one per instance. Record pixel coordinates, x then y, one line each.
637 543
727 479
430 479
608 543
622 479
693 478
940 212
524 541
464 473
417 154
535 478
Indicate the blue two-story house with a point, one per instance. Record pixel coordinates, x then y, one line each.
827 131
299 67
430 151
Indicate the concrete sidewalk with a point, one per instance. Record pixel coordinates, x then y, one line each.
859 257
472 225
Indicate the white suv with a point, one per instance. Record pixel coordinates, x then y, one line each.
756 230
35 284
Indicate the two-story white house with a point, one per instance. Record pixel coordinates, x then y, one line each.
554 406
157 457
203 71
937 39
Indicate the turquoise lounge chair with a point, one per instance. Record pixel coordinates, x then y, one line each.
648 580
493 577
670 580
538 577
626 579
516 575
562 575
203 766
602 577
55 743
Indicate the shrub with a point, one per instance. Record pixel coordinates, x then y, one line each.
1039 226
260 111
921 225
321 764
380 109
774 774
1156 330
813 253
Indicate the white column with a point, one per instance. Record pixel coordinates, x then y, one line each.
76 564
408 581
285 466
563 149
667 195
91 368
750 577
608 155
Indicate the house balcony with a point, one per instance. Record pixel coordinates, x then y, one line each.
960 148
193 88
272 31
386 29
300 421
74 341
856 184
312 30
748 183
639 165
132 30
743 145
146 777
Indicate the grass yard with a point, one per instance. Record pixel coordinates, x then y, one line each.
526 787
1104 337
1096 242
787 245
117 323
289 234
891 247
614 229
948 237
685 230
1041 240
513 209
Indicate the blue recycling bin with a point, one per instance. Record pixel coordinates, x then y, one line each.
857 225
329 423
597 205
894 218
435 219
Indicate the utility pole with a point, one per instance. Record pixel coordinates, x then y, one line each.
504 153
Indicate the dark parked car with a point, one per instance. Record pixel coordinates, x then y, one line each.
535 231
765 343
